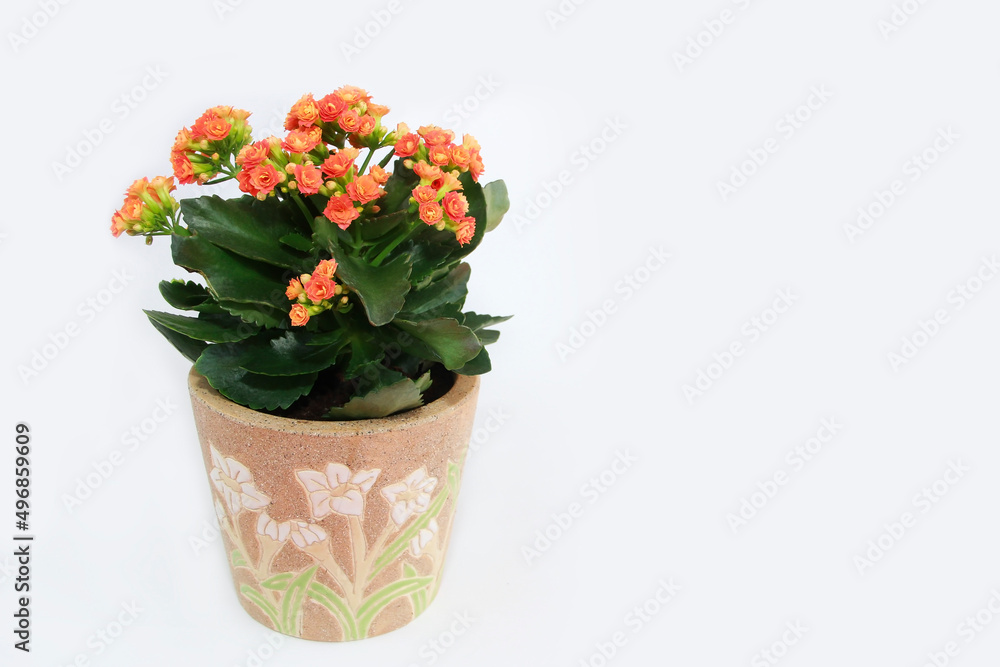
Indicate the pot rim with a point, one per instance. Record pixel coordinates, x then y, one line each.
463 388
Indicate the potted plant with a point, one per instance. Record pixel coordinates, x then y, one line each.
335 372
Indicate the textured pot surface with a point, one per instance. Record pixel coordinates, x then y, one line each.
335 530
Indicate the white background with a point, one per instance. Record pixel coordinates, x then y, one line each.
682 128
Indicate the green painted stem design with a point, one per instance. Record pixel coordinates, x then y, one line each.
282 596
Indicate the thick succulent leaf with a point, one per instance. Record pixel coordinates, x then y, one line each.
385 399
475 321
231 277
382 289
188 296
297 241
453 344
189 347
481 364
399 186
220 364
477 209
255 313
497 203
382 225
488 336
288 354
248 227
223 329
449 290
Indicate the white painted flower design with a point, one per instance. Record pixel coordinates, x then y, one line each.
235 482
220 512
411 496
305 534
336 490
266 526
423 538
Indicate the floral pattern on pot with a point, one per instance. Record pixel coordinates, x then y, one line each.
412 530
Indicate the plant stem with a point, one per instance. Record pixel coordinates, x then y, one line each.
302 207
364 165
392 246
359 547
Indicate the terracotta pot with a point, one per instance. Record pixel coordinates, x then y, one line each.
335 530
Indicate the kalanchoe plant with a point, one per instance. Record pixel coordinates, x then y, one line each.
331 290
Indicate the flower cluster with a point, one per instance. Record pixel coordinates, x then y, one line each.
315 293
203 151
148 209
315 168
438 161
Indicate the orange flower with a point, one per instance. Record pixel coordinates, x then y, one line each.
469 142
476 167
299 315
309 178
439 155
364 190
448 182
139 186
294 290
211 125
183 169
302 141
320 288
427 172
456 205
264 178
353 95
183 140
461 156
377 109
340 211
131 209
326 267
303 113
340 163
435 136
330 107
431 213
243 178
380 175
253 154
118 224
424 194
349 121
466 230
407 145
366 125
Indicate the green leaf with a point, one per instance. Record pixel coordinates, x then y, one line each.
477 209
383 401
188 296
382 289
254 596
229 276
237 558
497 204
191 349
259 314
382 225
201 329
475 321
379 600
452 289
399 187
297 241
478 366
488 336
287 355
247 227
291 603
325 596
454 344
220 364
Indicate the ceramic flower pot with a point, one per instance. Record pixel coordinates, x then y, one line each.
335 531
